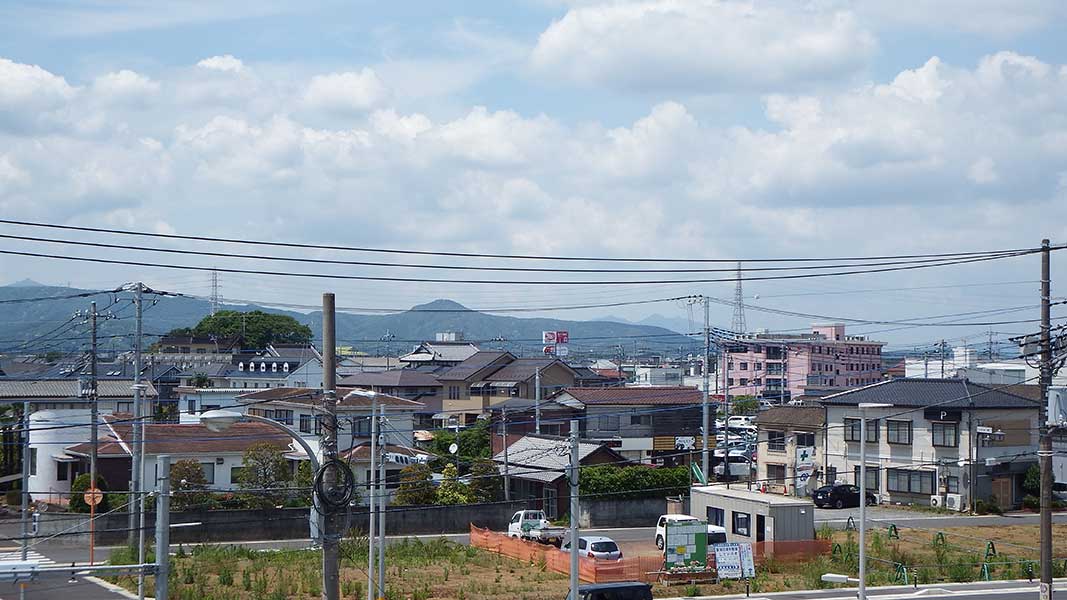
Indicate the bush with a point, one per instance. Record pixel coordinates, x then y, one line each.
188 484
77 493
633 482
13 497
416 486
1032 503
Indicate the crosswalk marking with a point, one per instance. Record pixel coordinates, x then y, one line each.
31 555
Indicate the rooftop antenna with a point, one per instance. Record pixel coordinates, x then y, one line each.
738 324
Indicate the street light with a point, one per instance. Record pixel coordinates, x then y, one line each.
835 578
864 406
220 420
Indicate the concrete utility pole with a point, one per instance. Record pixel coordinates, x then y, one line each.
537 401
138 426
25 487
163 528
705 454
1045 450
727 471
507 471
331 558
573 475
94 429
383 500
371 493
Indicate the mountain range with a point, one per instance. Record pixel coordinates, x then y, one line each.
39 326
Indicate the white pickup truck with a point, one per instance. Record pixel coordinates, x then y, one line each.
532 525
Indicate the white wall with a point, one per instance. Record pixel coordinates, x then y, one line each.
49 442
222 471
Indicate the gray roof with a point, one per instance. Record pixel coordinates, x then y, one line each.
523 369
441 351
394 378
472 365
537 458
794 416
943 393
66 389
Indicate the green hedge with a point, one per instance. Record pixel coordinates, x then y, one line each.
633 482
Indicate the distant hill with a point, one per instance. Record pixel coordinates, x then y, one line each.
30 327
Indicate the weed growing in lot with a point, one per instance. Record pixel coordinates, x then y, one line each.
962 571
692 591
226 576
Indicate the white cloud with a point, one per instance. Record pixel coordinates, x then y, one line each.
226 63
994 18
124 86
702 45
345 92
32 98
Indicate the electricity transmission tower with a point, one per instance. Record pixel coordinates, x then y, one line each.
738 324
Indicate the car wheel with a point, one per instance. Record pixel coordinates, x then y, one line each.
659 542
839 504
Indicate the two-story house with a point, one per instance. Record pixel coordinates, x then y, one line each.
411 384
943 441
491 377
790 457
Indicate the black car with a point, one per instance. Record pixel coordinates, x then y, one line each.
840 496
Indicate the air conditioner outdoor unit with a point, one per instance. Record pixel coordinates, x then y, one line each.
935 501
953 502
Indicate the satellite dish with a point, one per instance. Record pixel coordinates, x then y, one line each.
453 448
755 297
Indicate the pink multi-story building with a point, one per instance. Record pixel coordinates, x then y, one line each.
809 364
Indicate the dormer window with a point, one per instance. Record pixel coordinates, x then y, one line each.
285 367
273 367
262 367
240 366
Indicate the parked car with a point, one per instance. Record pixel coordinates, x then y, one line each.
623 590
716 534
841 495
597 546
739 421
740 465
532 525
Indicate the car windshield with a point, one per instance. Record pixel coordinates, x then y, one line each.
717 538
603 547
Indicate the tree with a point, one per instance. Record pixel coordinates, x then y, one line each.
200 380
264 472
452 490
474 443
189 485
77 493
637 481
257 328
486 485
416 486
1032 482
303 482
744 405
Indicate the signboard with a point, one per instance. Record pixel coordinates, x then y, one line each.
734 561
938 414
687 544
561 350
685 442
804 473
1057 406
93 496
805 455
555 337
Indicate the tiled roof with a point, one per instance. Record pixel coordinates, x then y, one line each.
361 452
313 396
635 395
183 439
802 416
538 457
472 365
522 369
444 351
394 378
944 393
67 388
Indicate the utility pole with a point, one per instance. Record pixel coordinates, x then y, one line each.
705 455
383 500
574 509
372 492
331 560
163 528
1045 450
94 429
942 375
726 401
26 487
537 401
138 426
507 478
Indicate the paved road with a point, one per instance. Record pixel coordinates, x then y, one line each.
883 515
57 587
1003 590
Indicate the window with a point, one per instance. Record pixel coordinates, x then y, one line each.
235 474
831 475
453 392
283 416
716 516
361 427
757 381
945 435
872 477
805 439
852 430
759 366
305 423
730 381
552 429
33 461
898 432
124 407
776 441
952 484
776 474
61 471
910 482
190 405
742 523
744 366
209 472
609 423
744 381
640 419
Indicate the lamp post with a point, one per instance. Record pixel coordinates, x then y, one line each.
864 407
221 420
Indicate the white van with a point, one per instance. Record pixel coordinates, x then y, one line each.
716 534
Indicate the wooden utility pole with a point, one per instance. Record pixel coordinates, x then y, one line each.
1045 450
331 559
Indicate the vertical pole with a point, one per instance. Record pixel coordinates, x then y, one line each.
383 500
574 509
705 454
163 528
863 505
372 492
94 418
726 421
1045 450
537 401
507 478
331 563
138 426
25 488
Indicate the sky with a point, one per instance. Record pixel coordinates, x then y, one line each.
656 128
